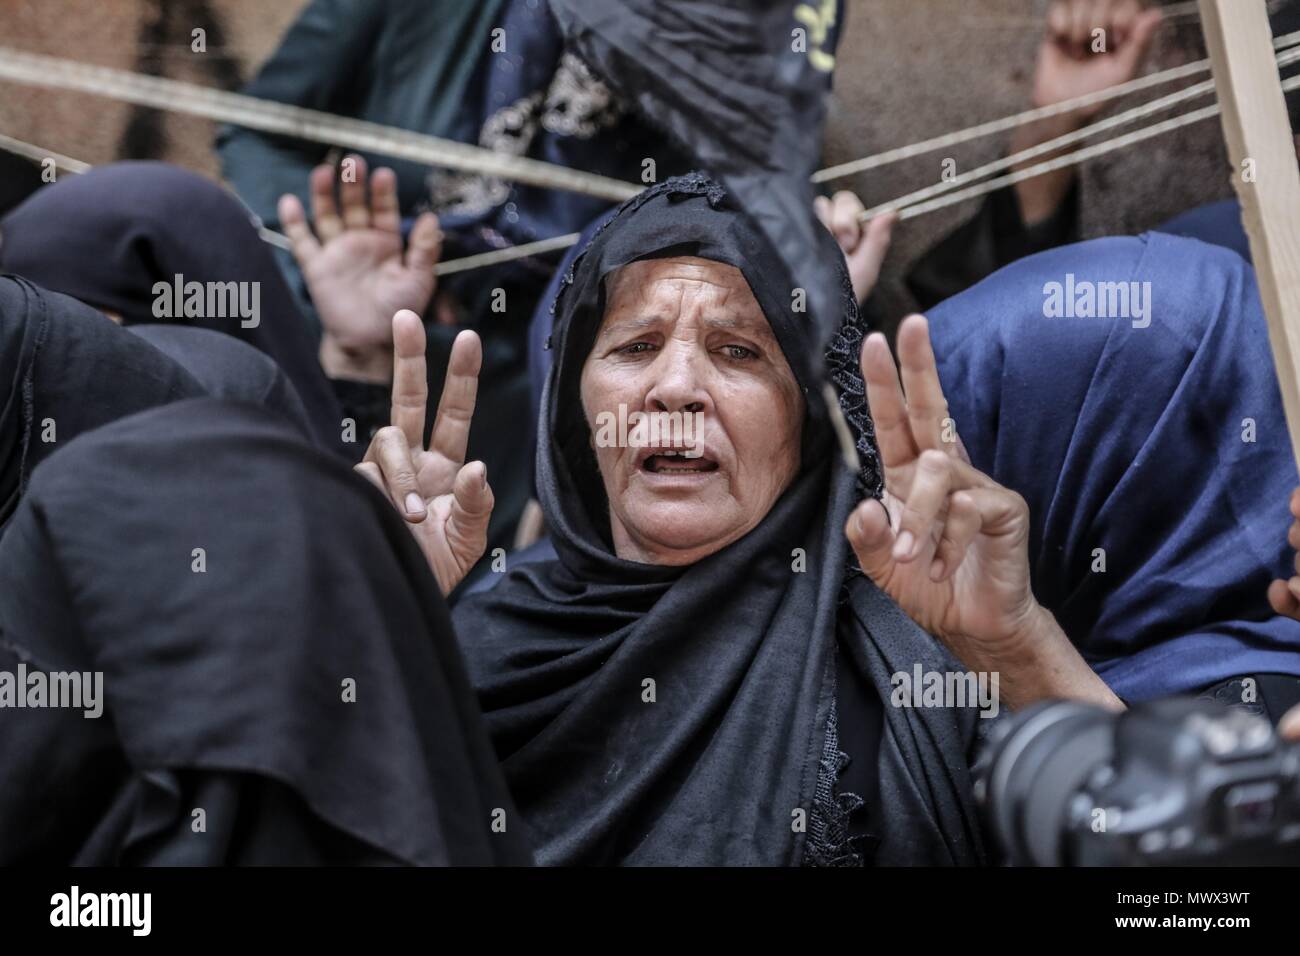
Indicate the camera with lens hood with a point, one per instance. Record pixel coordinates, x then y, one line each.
1175 782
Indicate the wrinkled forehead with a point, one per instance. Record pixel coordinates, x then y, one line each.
656 290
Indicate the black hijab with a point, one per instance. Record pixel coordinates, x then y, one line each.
65 369
723 764
108 236
222 684
228 690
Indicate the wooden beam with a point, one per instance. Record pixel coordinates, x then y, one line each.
1265 174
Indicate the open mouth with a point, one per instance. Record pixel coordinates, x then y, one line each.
676 463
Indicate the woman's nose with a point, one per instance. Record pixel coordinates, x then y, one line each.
678 384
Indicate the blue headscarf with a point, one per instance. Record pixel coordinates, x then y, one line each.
1157 451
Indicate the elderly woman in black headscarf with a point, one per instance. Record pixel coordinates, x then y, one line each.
700 677
686 682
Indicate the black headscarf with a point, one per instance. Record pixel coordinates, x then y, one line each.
66 369
108 236
227 688
740 647
222 683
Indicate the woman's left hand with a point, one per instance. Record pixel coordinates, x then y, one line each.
958 563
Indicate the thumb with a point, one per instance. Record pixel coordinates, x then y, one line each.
872 539
471 507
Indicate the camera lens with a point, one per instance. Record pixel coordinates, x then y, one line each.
1036 763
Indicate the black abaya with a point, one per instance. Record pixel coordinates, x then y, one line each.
227 579
228 684
109 236
723 765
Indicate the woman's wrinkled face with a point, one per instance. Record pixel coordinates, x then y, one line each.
686 336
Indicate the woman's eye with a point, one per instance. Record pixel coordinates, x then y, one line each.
635 348
739 352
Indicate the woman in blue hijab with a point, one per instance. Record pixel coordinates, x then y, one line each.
1125 388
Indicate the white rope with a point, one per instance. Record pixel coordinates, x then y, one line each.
1072 159
961 195
68 164
1061 162
284 119
507 254
38 155
1029 116
992 185
1285 58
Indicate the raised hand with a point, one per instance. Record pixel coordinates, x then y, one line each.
958 563
354 264
864 244
1071 60
445 502
1071 63
949 544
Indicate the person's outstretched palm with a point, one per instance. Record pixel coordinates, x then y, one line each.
354 264
445 502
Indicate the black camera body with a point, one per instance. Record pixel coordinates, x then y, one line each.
1176 782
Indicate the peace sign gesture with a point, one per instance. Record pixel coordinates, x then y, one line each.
445 502
959 560
950 545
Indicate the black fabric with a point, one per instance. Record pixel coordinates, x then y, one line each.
65 369
108 236
1268 695
225 367
861 726
225 687
994 237
728 81
19 178
722 765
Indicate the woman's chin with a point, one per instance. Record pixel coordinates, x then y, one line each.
692 529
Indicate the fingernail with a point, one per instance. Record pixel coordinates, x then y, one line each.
414 504
936 569
482 477
903 546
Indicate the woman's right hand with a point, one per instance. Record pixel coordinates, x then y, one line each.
446 503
